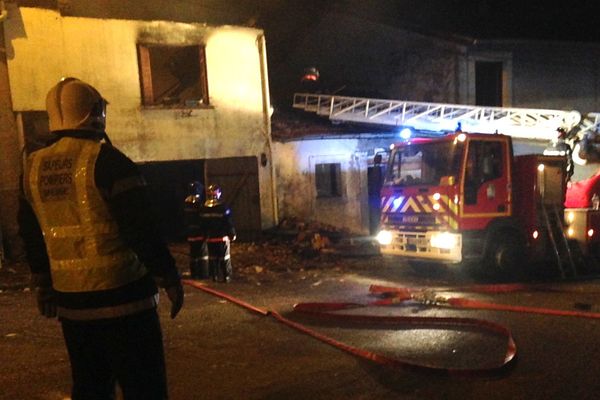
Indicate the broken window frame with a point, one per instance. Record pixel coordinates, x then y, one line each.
148 84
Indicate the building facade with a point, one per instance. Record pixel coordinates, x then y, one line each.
187 101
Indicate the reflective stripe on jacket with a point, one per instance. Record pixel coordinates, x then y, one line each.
82 238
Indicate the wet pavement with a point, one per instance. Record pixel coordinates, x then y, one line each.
218 350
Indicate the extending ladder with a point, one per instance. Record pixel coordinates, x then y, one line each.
526 123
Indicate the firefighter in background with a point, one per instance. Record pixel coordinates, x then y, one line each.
198 249
217 231
95 252
375 177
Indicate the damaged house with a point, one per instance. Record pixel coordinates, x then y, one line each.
187 101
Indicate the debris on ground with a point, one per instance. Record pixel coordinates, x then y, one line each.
311 239
291 247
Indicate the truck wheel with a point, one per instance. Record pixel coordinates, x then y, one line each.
505 255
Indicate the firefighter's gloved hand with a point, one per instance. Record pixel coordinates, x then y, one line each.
46 301
175 294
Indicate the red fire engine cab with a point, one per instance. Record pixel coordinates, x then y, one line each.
464 196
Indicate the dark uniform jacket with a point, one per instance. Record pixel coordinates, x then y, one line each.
215 222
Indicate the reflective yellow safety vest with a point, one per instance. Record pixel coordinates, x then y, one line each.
82 238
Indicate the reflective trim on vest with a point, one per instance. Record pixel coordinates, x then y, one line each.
120 310
82 238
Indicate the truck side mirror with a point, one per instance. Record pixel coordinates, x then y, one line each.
377 159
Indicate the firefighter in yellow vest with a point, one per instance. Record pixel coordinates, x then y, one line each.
95 252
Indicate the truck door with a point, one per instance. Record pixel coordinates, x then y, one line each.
486 182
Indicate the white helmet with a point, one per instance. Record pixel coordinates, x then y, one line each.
74 104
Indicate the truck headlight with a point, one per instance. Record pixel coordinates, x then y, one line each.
384 237
444 240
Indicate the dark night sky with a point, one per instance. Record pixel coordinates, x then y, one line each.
528 19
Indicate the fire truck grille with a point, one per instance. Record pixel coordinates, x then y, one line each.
420 212
415 221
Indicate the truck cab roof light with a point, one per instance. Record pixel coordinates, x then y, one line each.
406 133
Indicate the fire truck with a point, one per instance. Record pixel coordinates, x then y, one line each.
451 196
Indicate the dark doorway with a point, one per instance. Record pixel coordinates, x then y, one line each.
168 182
375 177
488 83
238 178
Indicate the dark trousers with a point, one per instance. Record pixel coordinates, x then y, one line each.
127 351
198 259
219 260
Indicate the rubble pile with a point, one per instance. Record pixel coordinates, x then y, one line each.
312 239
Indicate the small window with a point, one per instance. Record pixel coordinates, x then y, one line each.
173 75
328 179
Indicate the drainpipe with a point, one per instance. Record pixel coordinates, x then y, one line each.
3 12
266 104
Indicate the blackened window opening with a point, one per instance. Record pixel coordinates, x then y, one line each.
173 75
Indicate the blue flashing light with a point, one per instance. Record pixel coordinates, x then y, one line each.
406 133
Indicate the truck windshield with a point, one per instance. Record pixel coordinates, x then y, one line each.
424 163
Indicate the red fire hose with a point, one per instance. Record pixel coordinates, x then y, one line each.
394 295
328 311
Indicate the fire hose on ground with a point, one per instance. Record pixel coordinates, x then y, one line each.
395 295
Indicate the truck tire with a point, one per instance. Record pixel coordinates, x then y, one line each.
505 256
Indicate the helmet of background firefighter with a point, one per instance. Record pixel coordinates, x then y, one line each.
213 195
75 105
195 194
195 188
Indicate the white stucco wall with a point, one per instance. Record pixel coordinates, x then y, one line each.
297 194
43 46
